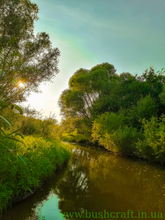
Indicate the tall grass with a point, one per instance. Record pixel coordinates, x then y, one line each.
42 157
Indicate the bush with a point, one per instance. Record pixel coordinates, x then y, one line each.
145 108
109 131
110 121
46 128
125 139
106 124
74 137
153 146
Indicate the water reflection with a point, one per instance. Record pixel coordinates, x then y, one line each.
32 207
95 181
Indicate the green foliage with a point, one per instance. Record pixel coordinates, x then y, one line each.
103 127
109 131
12 135
29 59
24 56
87 96
144 109
154 80
74 137
71 103
86 87
126 138
45 128
29 125
42 158
110 121
93 92
162 95
74 130
116 110
153 146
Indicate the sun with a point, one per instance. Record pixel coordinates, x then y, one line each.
21 85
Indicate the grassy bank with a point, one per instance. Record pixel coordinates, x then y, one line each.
42 157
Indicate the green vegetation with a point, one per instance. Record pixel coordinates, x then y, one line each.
27 160
152 146
74 130
111 132
42 157
26 60
123 113
25 57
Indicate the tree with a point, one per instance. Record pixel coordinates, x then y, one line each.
145 108
85 89
153 83
24 56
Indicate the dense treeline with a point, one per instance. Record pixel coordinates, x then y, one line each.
122 112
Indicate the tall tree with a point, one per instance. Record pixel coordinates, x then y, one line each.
85 89
24 57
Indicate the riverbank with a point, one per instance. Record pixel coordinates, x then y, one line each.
39 159
95 180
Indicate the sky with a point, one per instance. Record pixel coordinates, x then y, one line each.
130 34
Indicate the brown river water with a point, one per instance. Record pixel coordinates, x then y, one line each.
97 185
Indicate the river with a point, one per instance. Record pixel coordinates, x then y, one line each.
100 185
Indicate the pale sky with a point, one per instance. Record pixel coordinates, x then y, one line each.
130 34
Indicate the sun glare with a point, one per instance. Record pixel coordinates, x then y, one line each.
21 85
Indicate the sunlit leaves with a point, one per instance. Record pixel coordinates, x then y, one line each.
153 146
41 157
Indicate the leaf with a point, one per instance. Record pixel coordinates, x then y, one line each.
22 159
19 135
13 81
2 131
18 108
5 120
14 131
15 139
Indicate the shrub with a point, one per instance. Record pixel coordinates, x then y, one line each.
106 124
74 137
125 139
109 131
153 146
145 108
